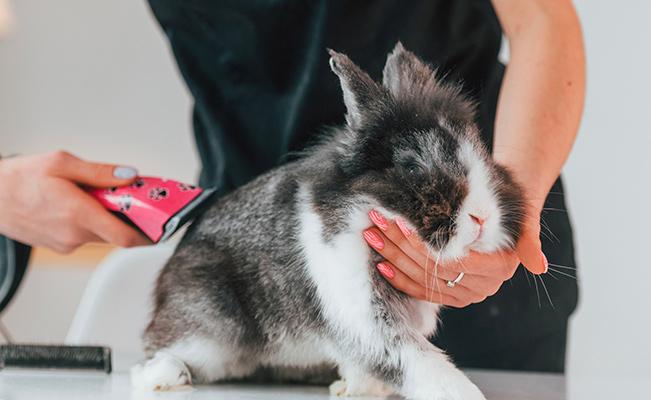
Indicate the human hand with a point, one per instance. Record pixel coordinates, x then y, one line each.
41 203
408 268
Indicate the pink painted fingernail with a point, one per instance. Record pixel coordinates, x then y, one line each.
378 220
374 240
545 262
386 270
403 227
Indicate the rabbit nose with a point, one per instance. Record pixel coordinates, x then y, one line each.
478 220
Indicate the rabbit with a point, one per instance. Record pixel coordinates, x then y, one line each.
277 275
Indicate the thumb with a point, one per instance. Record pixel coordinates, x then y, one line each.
529 250
92 174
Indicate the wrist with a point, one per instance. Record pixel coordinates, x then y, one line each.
535 192
534 184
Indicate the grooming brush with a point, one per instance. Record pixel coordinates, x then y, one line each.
158 207
59 357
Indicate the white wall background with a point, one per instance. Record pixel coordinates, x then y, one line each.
609 181
95 77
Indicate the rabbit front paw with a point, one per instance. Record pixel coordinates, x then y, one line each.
164 372
452 386
370 388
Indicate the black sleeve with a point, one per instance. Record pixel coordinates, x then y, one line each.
14 257
13 263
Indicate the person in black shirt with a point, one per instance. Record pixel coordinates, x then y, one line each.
258 73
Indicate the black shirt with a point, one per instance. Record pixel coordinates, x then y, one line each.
262 88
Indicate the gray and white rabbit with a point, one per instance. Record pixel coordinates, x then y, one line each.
277 274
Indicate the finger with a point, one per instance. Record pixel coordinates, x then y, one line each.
528 248
402 236
497 265
66 165
405 284
450 301
476 285
457 291
391 252
531 256
410 234
400 280
92 237
108 227
445 300
66 244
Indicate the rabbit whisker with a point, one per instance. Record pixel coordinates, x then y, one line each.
542 281
562 266
563 273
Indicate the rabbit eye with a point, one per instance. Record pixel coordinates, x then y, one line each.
412 167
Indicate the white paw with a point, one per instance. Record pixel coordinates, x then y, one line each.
338 388
163 372
368 388
463 389
442 385
453 387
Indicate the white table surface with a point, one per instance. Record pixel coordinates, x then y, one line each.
41 385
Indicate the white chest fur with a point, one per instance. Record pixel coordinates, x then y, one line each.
339 269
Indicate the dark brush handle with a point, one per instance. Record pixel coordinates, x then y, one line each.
50 356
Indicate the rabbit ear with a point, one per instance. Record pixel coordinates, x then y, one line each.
360 91
406 75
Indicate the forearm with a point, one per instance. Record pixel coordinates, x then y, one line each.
541 99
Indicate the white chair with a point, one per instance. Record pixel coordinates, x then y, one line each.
114 309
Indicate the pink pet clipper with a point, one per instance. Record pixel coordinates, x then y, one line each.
158 207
